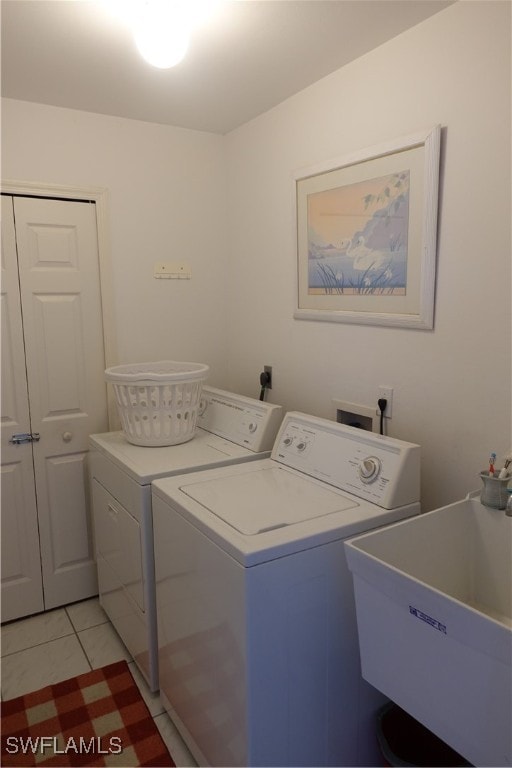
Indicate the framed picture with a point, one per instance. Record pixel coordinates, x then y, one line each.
366 229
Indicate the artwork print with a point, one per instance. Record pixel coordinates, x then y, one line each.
358 237
365 228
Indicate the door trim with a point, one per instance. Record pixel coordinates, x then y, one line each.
99 196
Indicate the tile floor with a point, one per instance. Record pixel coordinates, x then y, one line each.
65 642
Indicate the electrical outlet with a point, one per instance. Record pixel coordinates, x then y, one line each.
268 369
387 394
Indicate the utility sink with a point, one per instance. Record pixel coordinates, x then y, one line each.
434 612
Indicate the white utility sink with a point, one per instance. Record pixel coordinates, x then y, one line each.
434 612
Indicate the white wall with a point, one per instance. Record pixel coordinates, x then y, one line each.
167 197
453 384
170 190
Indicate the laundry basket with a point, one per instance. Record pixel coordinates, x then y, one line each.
158 402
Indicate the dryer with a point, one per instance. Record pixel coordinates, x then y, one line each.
257 637
231 428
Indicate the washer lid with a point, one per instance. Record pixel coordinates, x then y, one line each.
267 499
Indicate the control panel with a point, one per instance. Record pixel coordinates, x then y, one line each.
242 420
374 467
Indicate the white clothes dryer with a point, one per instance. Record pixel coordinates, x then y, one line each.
257 638
231 428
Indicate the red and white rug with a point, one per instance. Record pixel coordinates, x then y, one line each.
96 719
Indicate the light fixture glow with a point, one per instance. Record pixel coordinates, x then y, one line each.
162 28
199 11
124 11
162 33
162 46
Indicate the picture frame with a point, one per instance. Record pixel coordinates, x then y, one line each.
366 234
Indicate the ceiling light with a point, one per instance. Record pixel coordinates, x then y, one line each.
162 28
162 51
162 38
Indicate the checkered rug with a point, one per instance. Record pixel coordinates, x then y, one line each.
96 719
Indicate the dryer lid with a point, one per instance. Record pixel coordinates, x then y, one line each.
145 464
267 499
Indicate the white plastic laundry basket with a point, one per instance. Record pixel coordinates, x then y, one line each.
158 402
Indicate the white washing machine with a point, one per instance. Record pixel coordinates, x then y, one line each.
257 638
231 428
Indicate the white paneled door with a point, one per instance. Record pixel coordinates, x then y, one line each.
53 392
21 562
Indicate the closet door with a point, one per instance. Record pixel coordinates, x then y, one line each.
62 321
21 563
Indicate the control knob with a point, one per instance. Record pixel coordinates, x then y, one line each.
369 469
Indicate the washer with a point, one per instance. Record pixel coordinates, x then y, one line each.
257 637
231 428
